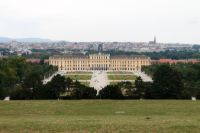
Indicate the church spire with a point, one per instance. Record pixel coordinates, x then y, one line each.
154 40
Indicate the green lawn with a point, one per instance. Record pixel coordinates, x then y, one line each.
121 77
100 116
119 72
79 72
80 77
85 83
114 83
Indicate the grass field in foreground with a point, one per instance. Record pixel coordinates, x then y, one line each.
101 116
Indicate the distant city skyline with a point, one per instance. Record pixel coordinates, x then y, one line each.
171 21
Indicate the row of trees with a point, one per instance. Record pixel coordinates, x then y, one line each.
21 80
183 54
42 53
174 81
58 88
169 82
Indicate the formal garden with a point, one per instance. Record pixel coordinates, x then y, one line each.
79 77
121 77
118 72
79 72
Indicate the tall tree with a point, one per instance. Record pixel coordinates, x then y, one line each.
111 92
139 85
57 85
167 83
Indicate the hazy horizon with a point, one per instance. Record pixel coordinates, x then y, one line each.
173 21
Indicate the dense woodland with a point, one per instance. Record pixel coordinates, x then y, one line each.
16 73
178 81
22 80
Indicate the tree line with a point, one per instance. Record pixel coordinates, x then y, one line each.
15 72
171 54
58 88
22 80
178 81
174 81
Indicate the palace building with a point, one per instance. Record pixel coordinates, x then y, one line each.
99 62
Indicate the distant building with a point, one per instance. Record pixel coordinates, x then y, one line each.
34 61
100 48
99 62
154 41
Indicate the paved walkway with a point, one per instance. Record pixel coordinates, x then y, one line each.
99 80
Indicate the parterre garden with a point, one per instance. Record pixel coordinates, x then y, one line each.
79 77
79 72
114 77
85 83
120 76
83 77
119 72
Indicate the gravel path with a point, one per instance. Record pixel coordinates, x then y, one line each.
99 80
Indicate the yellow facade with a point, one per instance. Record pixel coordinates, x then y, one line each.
99 62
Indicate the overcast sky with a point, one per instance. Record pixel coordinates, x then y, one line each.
102 20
